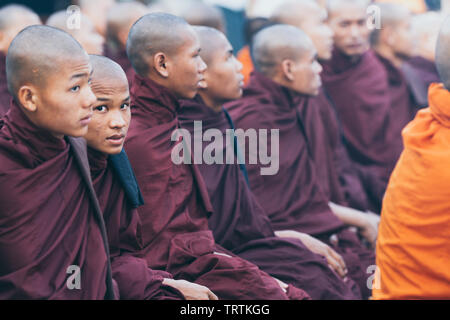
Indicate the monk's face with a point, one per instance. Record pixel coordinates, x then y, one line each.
64 103
112 115
306 73
351 34
317 28
188 68
89 38
401 39
223 77
7 35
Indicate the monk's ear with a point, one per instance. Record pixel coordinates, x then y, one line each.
287 67
28 98
161 64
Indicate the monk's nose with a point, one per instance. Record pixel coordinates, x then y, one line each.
202 66
117 120
90 98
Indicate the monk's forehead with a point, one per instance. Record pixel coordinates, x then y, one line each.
352 9
190 42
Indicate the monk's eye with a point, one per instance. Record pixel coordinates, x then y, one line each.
100 108
89 82
75 89
125 106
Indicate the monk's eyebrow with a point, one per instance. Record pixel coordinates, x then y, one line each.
126 99
82 75
103 99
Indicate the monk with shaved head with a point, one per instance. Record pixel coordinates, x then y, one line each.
287 75
197 13
118 192
53 242
357 83
86 34
13 18
412 248
239 222
119 20
96 11
339 180
164 51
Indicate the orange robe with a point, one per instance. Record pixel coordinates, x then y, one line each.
413 248
245 58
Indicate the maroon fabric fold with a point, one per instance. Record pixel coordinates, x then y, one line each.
5 97
293 198
360 93
175 215
47 218
240 224
135 280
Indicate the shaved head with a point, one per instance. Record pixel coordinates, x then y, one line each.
391 15
335 6
274 44
426 28
197 13
120 19
107 73
294 12
36 53
153 33
211 41
443 54
14 18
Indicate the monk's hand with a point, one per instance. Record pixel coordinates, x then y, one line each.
191 291
334 259
369 229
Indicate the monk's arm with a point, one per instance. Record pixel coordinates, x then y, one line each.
335 261
366 222
191 291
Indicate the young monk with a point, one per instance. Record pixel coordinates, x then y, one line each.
357 84
239 223
120 18
287 74
86 35
164 51
13 18
394 45
338 178
413 255
118 192
53 242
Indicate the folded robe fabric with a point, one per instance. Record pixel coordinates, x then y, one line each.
293 198
134 279
49 217
240 224
175 231
413 254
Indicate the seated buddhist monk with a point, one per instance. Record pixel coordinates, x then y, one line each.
412 248
420 70
287 74
118 192
96 11
119 20
239 222
357 84
393 44
53 242
86 34
340 181
164 51
13 18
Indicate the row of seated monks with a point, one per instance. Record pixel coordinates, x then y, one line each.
89 182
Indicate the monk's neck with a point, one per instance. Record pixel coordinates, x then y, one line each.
212 103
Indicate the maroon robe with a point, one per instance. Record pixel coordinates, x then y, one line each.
135 280
293 198
360 93
420 73
175 231
50 216
120 57
5 97
240 224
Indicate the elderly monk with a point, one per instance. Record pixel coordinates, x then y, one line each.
357 84
118 192
239 222
97 11
53 242
13 18
119 20
339 179
394 45
420 71
86 35
413 255
287 75
164 51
